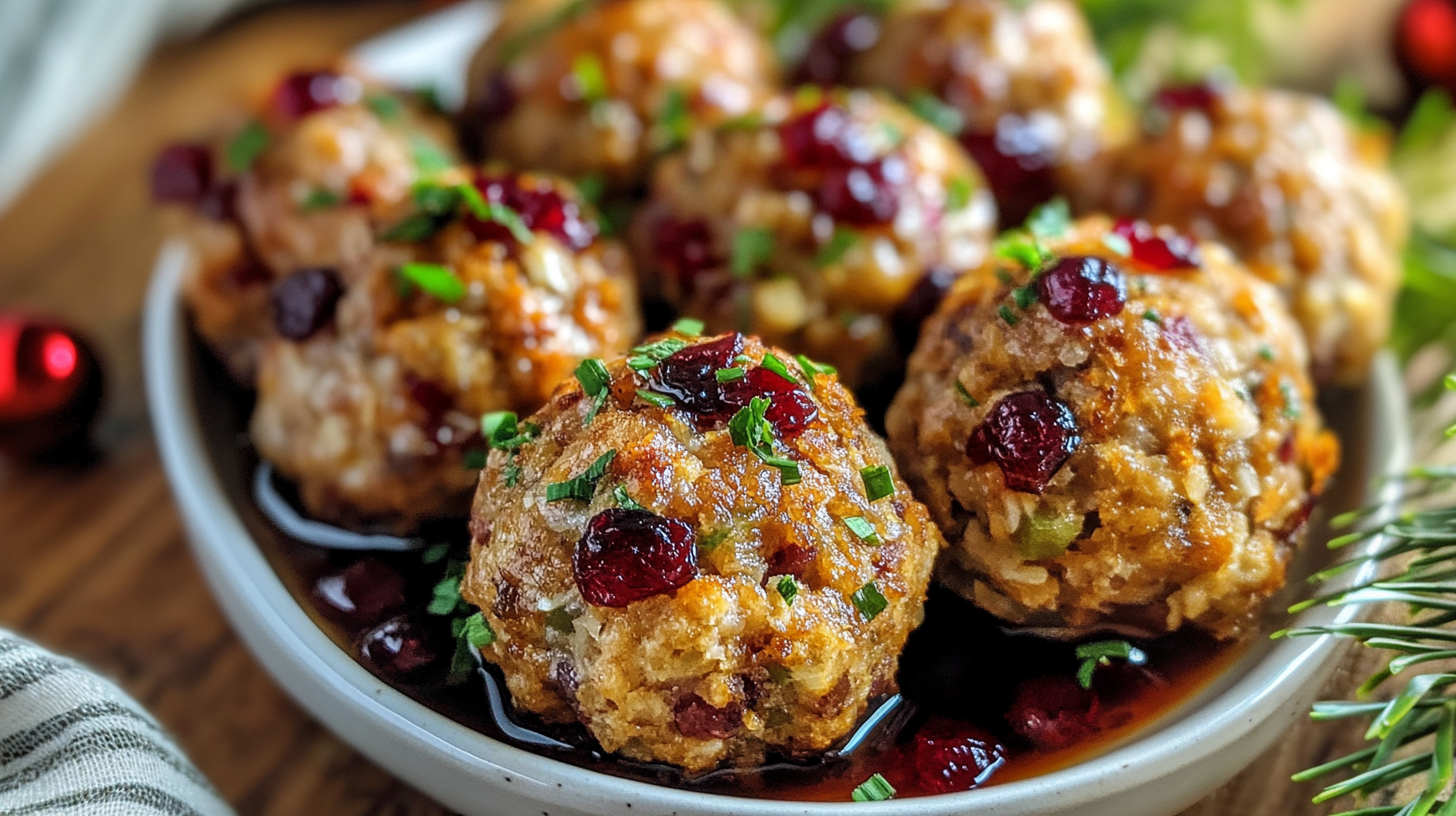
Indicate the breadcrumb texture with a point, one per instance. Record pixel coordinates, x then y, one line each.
1302 197
1201 457
778 677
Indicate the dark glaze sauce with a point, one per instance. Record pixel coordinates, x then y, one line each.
959 665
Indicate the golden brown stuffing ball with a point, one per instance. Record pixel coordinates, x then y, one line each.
819 225
1026 90
597 88
701 553
326 165
1115 429
1301 197
371 401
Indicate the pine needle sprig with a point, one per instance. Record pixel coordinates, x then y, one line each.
1414 732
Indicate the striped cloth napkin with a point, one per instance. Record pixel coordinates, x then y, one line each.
72 744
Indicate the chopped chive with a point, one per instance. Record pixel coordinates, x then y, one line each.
1022 249
966 395
1266 353
435 280
958 192
1024 296
1008 315
1101 653
592 187
788 589
774 364
647 356
513 474
729 374
1050 220
477 631
246 147
1003 276
750 428
445 597
386 107
877 481
590 78
624 501
1292 407
751 249
712 540
839 243
688 326
1118 244
414 228
594 379
812 369
863 529
654 398
470 195
943 117
874 789
505 216
428 157
474 459
498 426
582 486
1152 316
868 600
435 553
674 121
320 199
639 362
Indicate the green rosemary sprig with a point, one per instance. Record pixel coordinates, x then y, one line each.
1415 731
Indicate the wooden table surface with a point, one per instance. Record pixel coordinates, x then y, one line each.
92 561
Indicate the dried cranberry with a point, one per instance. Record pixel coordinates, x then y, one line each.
792 559
1287 449
1161 248
1425 43
220 202
920 304
541 207
305 92
684 249
952 756
1079 290
361 594
790 408
1053 712
304 302
1182 334
1019 160
690 377
1029 435
697 719
1200 96
628 555
182 174
400 648
845 36
864 194
823 138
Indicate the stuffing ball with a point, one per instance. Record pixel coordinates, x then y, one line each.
1114 438
372 396
824 225
1302 197
583 88
701 553
1020 82
308 184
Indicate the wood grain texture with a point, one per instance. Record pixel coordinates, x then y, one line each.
93 563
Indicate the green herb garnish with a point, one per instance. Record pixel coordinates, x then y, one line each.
966 396
874 789
733 374
752 248
513 474
1293 408
473 459
689 327
878 482
713 540
750 428
624 501
591 188
582 486
435 280
1023 249
674 121
868 600
1152 316
1050 220
656 399
945 118
863 529
595 381
246 147
958 192
560 620
477 631
1101 653
1119 244
788 589
1008 315
386 107
812 369
839 243
435 553
445 597
428 157
1024 296
590 78
1266 353
777 366
646 357
320 198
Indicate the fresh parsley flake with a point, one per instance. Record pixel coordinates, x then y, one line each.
582 486
878 482
1050 220
1101 653
874 789
654 398
320 198
1008 315
777 366
945 118
499 213
839 243
414 228
624 501
733 374
752 248
966 395
246 147
868 600
498 426
435 280
863 529
689 327
788 589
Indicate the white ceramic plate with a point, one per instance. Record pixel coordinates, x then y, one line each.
1166 766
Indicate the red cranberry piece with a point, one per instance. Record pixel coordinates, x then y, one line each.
628 555
304 302
220 202
920 304
1182 334
684 249
792 559
361 594
845 36
1425 43
1199 96
546 209
1053 712
690 377
1161 248
863 195
400 649
1019 161
824 137
1029 435
305 92
697 719
790 408
952 756
182 174
1079 290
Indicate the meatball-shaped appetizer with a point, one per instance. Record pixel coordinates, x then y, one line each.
1020 82
818 226
1287 183
701 553
371 400
1115 429
307 184
583 88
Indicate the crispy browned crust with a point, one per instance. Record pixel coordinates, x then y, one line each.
1198 465
798 675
